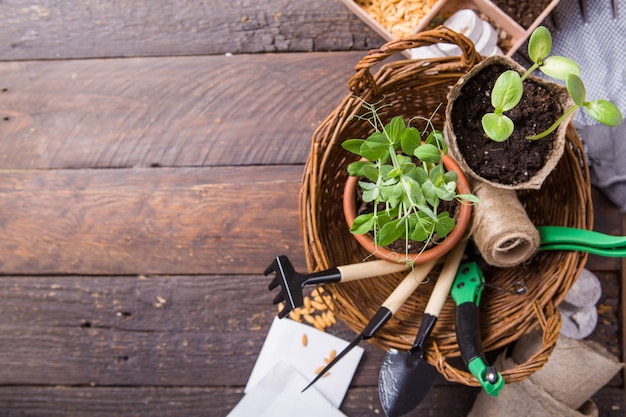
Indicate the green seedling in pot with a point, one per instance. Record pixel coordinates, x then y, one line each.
403 175
508 89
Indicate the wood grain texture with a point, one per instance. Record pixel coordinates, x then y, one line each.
194 402
224 220
58 29
217 402
140 331
189 111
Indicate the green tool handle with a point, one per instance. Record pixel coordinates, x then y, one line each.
569 238
467 291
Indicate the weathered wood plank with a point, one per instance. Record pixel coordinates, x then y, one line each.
192 402
140 331
188 111
224 220
97 28
163 330
217 402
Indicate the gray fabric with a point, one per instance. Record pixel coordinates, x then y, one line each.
598 47
606 151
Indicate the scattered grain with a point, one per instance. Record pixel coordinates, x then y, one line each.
305 340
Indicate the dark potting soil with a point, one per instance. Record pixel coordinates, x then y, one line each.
516 159
524 12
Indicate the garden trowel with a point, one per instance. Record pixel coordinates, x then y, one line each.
406 377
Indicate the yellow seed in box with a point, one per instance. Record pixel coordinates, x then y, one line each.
320 322
327 321
307 302
318 306
295 315
318 326
308 318
331 316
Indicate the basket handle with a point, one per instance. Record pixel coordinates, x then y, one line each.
363 78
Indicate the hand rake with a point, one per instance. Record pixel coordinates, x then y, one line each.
292 282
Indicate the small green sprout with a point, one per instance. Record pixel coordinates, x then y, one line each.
508 89
406 195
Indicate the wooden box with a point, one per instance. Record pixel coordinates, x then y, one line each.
511 33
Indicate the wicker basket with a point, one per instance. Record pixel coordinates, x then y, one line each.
417 88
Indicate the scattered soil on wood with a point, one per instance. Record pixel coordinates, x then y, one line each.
524 12
516 159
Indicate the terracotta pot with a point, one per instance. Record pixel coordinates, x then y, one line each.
534 181
437 251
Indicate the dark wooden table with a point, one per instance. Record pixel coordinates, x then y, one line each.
150 160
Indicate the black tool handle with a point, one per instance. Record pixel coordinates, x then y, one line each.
323 277
468 332
381 317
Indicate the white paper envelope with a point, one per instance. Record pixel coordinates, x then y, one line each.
278 394
284 343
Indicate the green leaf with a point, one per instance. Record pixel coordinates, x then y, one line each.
370 191
451 176
559 67
444 225
428 189
391 232
427 211
605 112
394 130
428 153
470 198
363 169
423 228
363 224
396 172
417 196
391 193
576 89
375 147
410 140
437 138
353 145
539 44
507 91
444 193
420 175
498 127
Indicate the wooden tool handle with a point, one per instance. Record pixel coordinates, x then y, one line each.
409 284
370 269
445 279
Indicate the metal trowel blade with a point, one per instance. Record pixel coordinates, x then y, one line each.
405 379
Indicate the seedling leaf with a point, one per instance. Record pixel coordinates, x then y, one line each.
605 112
507 91
559 67
353 145
539 44
363 224
410 140
576 89
497 126
428 153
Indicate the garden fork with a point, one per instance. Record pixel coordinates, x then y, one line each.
292 282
